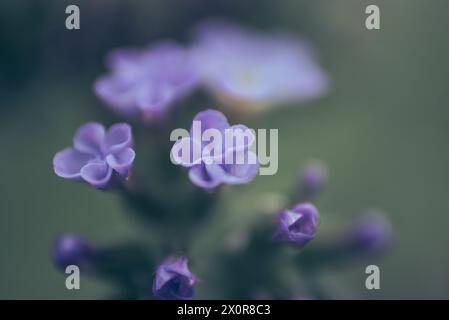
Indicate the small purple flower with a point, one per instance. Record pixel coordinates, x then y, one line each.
298 226
71 250
370 233
97 155
215 152
313 180
174 281
254 70
145 83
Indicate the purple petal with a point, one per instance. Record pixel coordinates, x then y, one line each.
118 137
68 163
206 178
118 93
240 173
186 152
241 138
97 174
89 137
211 119
154 101
121 161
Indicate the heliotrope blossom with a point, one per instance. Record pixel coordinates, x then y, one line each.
243 67
97 155
216 160
298 225
145 83
174 281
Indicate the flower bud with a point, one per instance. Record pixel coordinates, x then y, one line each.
70 250
174 281
298 226
370 233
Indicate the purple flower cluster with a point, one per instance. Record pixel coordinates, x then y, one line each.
97 155
242 68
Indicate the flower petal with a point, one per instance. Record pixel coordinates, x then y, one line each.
121 161
89 137
240 136
68 163
242 173
97 174
206 178
155 99
118 137
211 119
186 152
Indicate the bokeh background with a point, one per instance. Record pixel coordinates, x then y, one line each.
383 130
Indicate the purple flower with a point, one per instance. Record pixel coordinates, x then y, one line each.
70 250
370 233
254 70
215 152
145 83
312 180
298 226
97 155
174 281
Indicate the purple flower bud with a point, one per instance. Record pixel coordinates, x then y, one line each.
252 70
145 83
97 155
226 160
298 226
70 250
370 233
313 180
174 281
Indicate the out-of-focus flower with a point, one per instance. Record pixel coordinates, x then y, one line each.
174 281
221 159
244 68
97 155
145 83
370 233
298 225
312 180
71 250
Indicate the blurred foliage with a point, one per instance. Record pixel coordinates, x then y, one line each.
382 131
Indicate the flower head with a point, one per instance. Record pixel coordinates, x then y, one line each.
145 83
215 152
97 155
246 68
70 250
298 225
174 281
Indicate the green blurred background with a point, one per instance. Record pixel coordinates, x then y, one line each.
383 130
